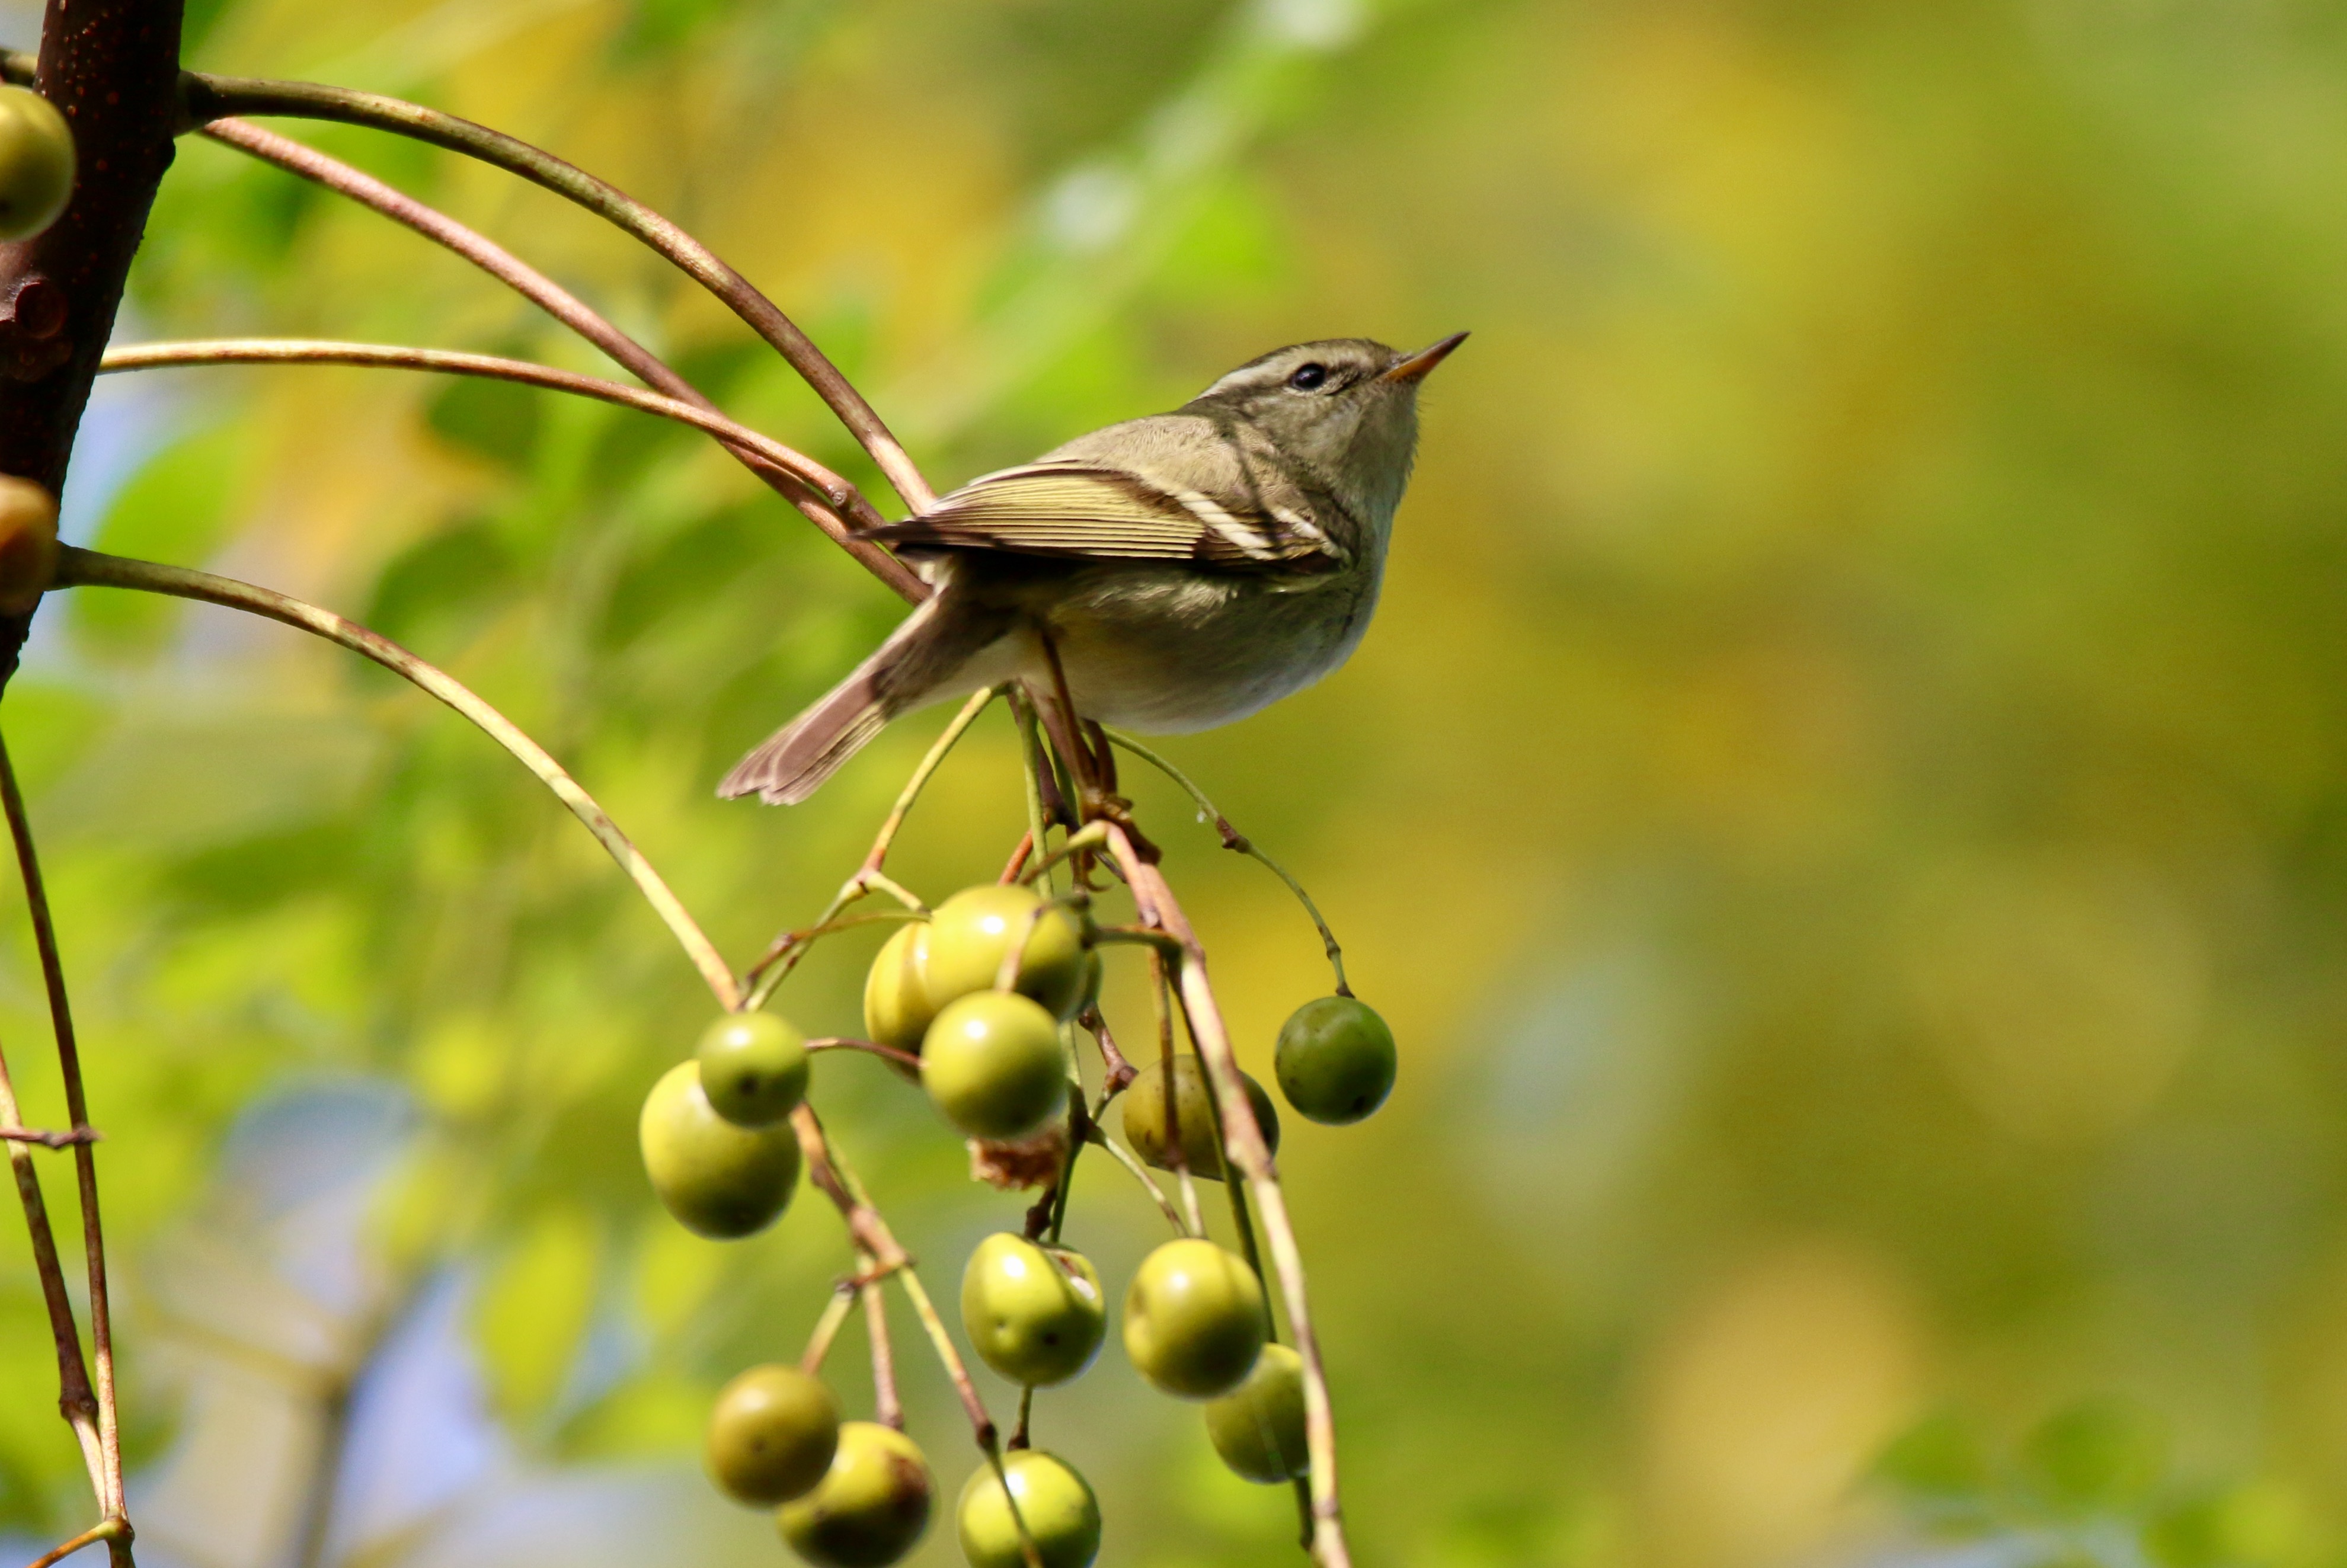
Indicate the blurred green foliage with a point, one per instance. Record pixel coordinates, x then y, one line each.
1843 805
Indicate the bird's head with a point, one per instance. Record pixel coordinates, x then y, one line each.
1343 408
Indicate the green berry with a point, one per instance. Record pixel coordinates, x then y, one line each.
1033 1313
753 1067
1258 1426
718 1180
1335 1061
972 931
1193 1319
1061 1516
870 1507
1194 1114
772 1435
36 163
896 1005
992 1063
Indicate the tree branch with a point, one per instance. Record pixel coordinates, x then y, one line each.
93 1236
572 313
210 98
89 569
113 67
837 491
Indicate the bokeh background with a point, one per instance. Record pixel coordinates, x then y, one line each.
1844 803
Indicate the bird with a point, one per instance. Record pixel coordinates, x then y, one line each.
1166 574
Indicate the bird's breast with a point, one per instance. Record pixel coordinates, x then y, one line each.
1170 649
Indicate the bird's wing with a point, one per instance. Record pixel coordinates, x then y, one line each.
1076 509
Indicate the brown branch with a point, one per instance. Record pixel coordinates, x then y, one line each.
834 490
209 98
76 1403
904 1058
112 67
93 1237
1245 1151
80 567
48 1139
572 313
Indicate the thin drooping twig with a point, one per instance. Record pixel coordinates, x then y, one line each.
572 313
1149 1183
1234 839
827 1327
80 567
76 1403
1244 1147
871 1233
93 1234
904 1058
447 361
209 98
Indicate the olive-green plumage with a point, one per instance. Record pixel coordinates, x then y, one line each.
1187 568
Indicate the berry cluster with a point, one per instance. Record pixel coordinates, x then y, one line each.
980 1000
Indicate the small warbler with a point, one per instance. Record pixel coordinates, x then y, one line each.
1185 570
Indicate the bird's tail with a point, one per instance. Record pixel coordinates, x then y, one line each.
903 672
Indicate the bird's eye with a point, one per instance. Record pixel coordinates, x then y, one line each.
1308 377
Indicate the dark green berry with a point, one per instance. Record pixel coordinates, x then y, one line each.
1335 1061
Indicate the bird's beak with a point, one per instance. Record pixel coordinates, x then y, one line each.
1414 368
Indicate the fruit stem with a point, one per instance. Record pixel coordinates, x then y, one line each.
791 946
1040 811
904 1058
886 1407
827 1327
871 1234
1234 839
1245 1147
1141 1174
